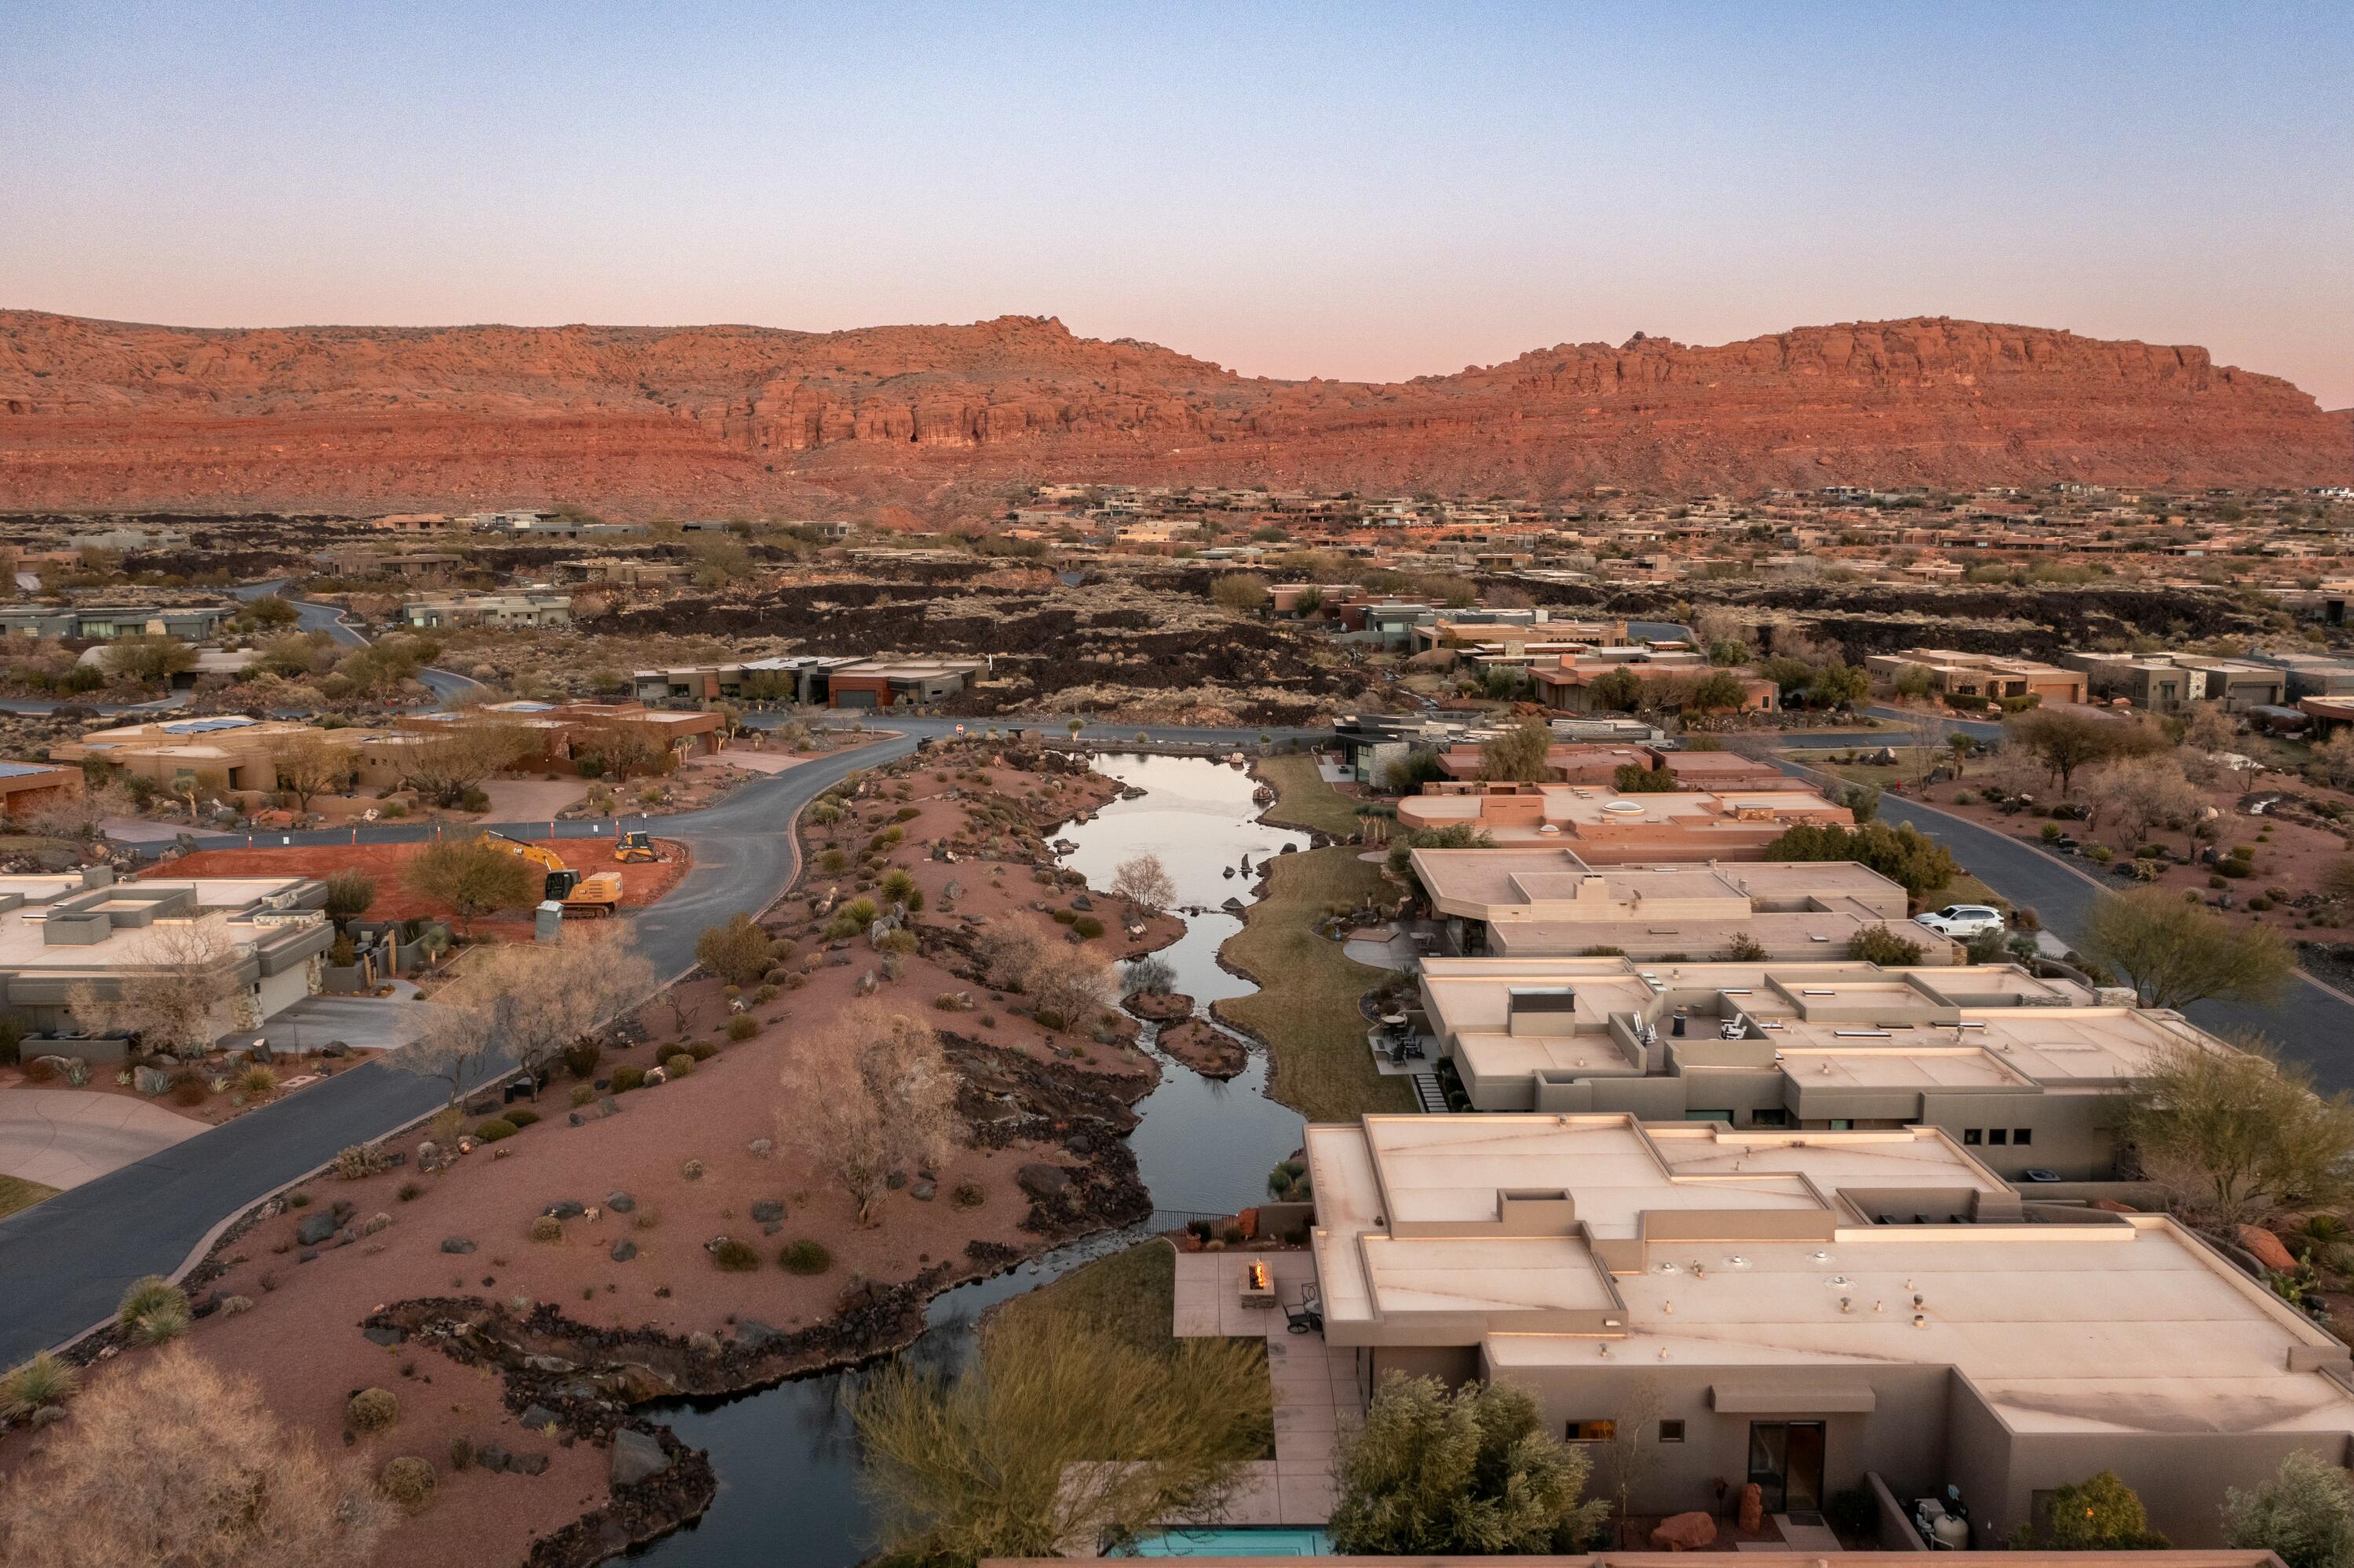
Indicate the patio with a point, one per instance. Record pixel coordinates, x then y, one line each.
1317 1396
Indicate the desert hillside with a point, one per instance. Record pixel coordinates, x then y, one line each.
948 419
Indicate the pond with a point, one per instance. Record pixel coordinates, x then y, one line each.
786 1457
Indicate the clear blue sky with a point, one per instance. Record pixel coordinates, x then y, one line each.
1355 190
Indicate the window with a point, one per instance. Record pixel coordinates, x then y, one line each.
1723 1116
1776 1117
1591 1431
1970 1136
1671 1431
2022 1137
1842 1124
1998 1136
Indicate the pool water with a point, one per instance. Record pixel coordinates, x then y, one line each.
1233 1543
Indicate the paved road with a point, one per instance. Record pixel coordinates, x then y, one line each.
64 1264
447 685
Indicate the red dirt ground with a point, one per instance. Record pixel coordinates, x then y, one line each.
301 1340
641 884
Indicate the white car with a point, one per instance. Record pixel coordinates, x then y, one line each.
1962 921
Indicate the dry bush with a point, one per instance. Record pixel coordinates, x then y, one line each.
171 1461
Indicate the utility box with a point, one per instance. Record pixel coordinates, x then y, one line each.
547 922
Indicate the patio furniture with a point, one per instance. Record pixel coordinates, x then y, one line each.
1308 1315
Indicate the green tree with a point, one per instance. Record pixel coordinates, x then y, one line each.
1471 1472
738 952
1634 779
1720 691
1618 691
2233 1130
1902 854
2101 1514
1879 945
471 877
147 659
1837 685
2177 952
2065 742
1057 1431
1518 755
349 893
2305 1515
1244 593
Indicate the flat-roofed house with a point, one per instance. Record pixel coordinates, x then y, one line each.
1988 677
1805 1310
29 787
1606 827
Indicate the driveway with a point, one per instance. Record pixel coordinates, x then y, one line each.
362 1022
63 1138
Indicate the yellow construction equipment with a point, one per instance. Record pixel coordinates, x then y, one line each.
580 895
636 844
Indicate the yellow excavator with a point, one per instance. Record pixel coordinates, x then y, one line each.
636 845
581 896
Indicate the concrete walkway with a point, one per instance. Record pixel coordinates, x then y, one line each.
63 1138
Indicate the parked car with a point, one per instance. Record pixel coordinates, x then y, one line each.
1963 921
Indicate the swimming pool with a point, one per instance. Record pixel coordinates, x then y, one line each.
1233 1543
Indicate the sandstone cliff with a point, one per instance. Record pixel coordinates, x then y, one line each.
952 419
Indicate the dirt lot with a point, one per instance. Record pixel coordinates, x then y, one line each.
641 884
691 1156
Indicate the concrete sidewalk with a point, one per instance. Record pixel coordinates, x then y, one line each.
63 1138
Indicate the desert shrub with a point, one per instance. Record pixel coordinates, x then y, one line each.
581 1057
628 1078
1879 945
188 1089
360 1160
766 991
36 1385
410 1191
906 813
702 1050
678 1065
521 1116
969 1194
298 1199
493 1130
257 1081
1065 917
407 1481
735 1256
1087 926
373 1410
547 1228
2100 854
154 1311
805 1257
583 1095
461 1453
743 1026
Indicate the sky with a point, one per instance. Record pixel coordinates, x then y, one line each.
1361 191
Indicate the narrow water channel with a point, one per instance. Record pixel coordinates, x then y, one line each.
787 1457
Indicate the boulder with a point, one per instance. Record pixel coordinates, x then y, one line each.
766 1211
619 1202
1752 1509
623 1250
315 1229
751 1333
2268 1249
1043 1181
922 1192
457 1244
565 1209
1685 1532
637 1459
538 1417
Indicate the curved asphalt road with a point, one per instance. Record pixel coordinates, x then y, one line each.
64 1262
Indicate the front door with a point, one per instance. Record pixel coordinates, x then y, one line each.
1786 1461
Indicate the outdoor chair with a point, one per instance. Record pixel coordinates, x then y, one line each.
1302 1319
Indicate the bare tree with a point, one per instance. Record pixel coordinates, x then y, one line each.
174 1462
458 1045
462 755
2135 794
79 816
309 766
1633 1451
871 1094
1144 882
1070 982
541 999
174 994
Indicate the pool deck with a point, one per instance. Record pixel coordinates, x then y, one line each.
1317 1396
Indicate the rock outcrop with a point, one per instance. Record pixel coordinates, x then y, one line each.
944 419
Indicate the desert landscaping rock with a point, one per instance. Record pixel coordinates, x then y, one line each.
457 1244
620 1202
315 1229
1043 1181
623 1250
637 1459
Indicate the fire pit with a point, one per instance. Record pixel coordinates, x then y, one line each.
1258 1287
